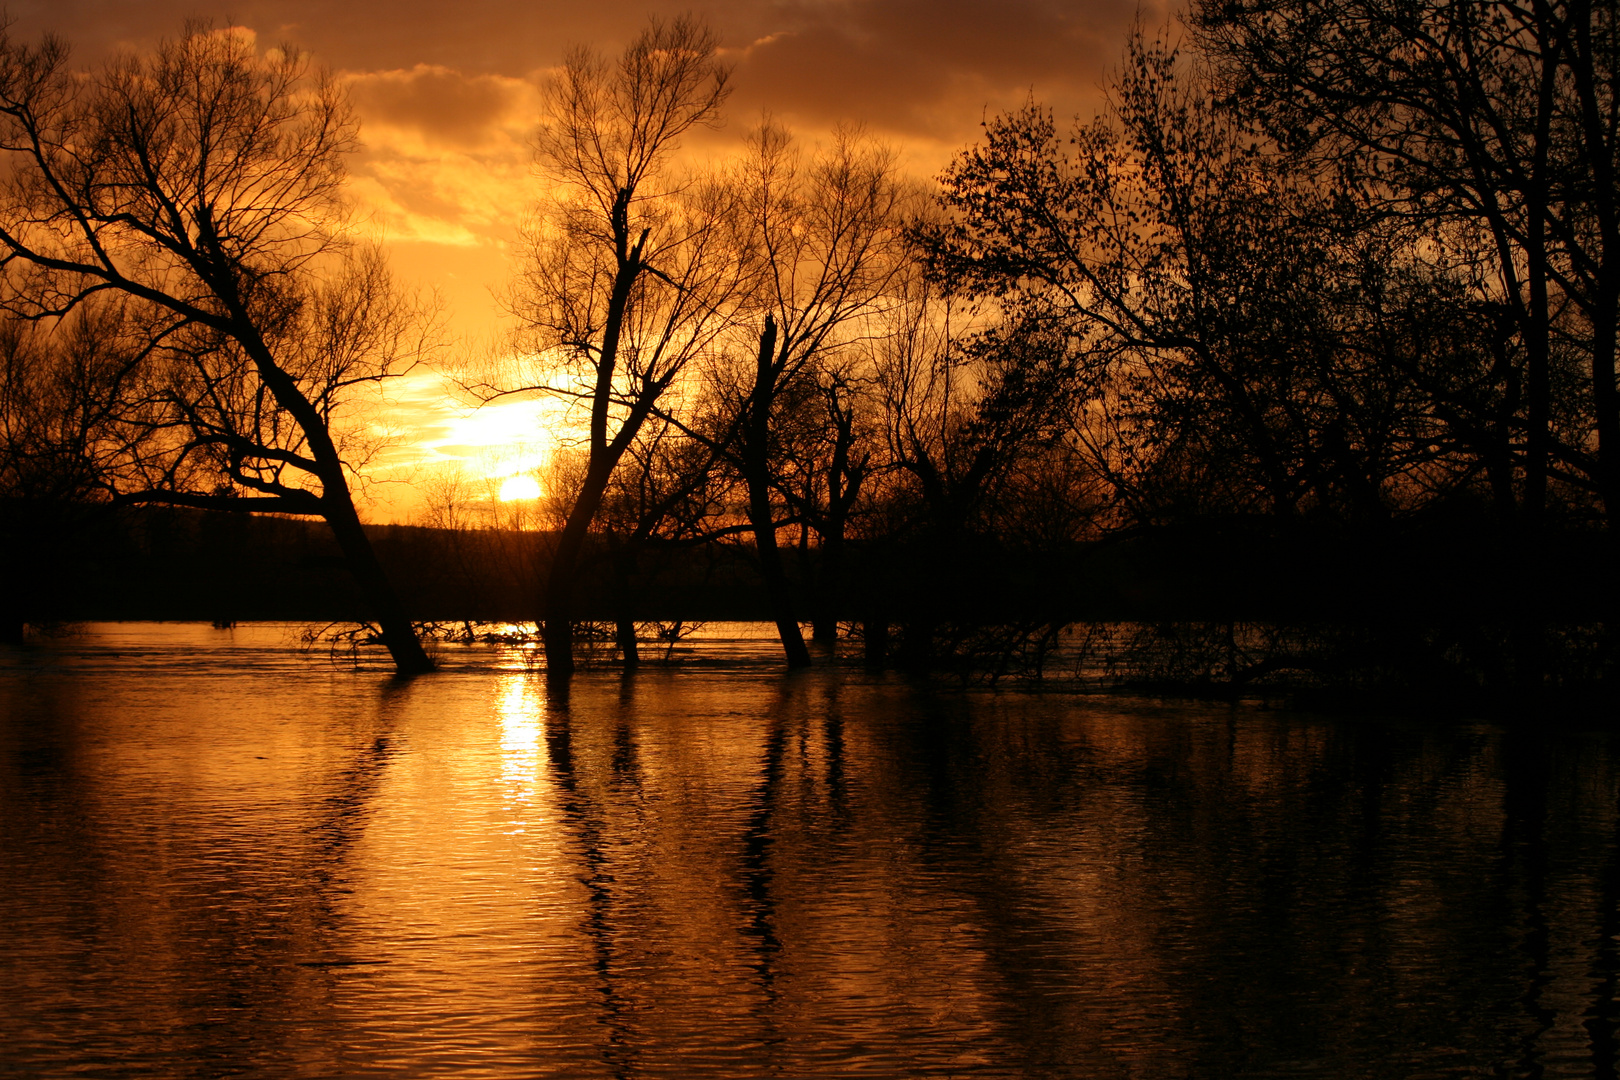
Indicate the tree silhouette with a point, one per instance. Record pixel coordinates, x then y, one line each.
629 274
1249 326
202 183
68 394
828 239
1492 128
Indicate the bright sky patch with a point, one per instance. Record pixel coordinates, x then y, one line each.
520 487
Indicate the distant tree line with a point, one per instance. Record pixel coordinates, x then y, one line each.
1341 265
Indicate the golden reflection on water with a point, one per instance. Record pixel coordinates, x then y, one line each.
518 709
302 873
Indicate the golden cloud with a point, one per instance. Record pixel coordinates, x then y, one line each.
446 157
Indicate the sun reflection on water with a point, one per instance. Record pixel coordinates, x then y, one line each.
518 710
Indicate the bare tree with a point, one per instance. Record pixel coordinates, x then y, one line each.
203 184
631 270
827 234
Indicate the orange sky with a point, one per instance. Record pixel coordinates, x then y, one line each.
447 96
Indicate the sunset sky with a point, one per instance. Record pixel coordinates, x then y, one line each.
448 98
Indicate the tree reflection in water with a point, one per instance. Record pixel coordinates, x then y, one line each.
266 867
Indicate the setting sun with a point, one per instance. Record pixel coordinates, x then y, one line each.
519 487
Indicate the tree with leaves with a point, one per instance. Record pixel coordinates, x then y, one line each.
1225 304
1490 131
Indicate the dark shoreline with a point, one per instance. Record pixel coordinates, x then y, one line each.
1448 614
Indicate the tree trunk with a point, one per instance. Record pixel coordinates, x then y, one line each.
1607 403
1538 337
624 636
624 630
557 634
1538 383
1497 455
843 485
756 471
1599 148
337 504
557 627
777 591
398 635
825 629
557 623
875 642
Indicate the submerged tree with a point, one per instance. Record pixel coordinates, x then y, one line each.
203 184
631 271
827 236
973 407
668 494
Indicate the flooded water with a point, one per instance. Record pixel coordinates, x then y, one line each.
222 857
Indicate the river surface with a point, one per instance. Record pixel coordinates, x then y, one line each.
221 856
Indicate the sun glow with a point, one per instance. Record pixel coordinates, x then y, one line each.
519 487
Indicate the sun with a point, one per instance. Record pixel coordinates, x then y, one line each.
519 487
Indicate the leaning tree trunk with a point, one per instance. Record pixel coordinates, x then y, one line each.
398 635
337 506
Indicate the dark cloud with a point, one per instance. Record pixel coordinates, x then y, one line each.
930 67
444 105
924 67
915 48
482 36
